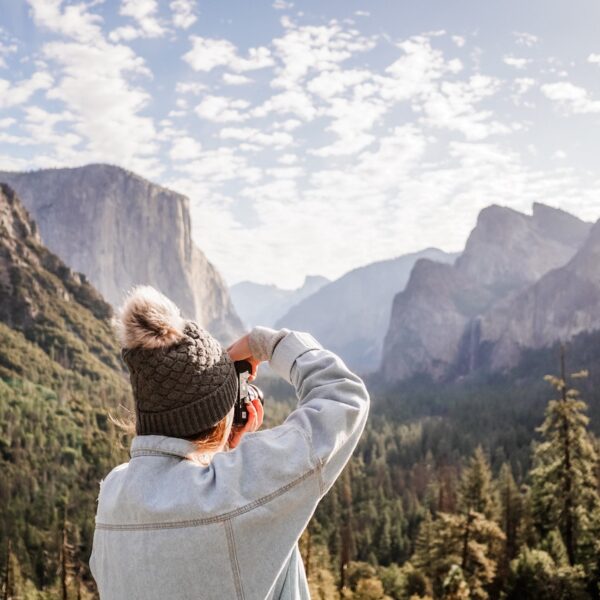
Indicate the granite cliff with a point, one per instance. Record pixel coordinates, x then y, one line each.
351 314
439 324
120 229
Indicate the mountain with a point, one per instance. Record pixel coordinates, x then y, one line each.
351 314
435 326
120 229
60 372
260 304
561 304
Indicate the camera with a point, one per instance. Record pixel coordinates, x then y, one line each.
246 392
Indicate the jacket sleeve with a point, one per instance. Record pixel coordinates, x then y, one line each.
333 402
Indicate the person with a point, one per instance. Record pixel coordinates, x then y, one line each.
203 510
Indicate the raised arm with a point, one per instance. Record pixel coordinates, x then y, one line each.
333 402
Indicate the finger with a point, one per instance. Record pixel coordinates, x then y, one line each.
260 412
252 416
240 350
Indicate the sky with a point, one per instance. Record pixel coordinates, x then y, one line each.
313 137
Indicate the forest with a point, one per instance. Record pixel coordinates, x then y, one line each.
478 489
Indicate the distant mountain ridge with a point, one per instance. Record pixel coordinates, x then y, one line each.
443 323
120 230
561 304
264 304
351 314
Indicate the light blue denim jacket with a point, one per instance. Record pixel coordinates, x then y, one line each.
168 528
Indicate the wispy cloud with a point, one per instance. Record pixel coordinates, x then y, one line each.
348 137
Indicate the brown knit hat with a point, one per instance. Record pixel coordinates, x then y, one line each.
183 380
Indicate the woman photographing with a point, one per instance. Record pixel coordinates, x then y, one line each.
204 509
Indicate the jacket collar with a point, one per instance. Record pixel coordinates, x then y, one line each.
160 444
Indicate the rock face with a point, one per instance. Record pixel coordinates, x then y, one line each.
121 230
561 304
351 314
439 324
260 304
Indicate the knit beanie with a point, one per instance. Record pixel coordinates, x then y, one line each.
183 380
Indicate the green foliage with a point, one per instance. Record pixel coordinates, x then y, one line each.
535 576
564 479
476 492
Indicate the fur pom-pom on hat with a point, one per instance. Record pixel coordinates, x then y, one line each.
148 319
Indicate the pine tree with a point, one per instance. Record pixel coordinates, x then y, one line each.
564 480
477 558
422 558
476 491
347 542
511 513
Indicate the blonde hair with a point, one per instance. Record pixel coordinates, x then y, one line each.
207 442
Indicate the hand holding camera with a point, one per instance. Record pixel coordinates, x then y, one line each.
248 409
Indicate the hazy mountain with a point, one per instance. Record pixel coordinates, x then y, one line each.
120 230
351 314
261 304
435 327
561 304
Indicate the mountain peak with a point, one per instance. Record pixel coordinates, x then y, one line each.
120 230
559 224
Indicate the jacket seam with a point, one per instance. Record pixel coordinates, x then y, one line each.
217 518
149 452
235 565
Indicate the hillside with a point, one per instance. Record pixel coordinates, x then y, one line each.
60 372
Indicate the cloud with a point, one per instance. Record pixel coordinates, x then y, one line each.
294 102
218 166
143 12
453 107
5 50
571 98
108 119
221 109
517 63
19 93
183 13
395 143
522 38
191 87
594 59
416 71
305 49
209 53
73 21
185 148
276 140
352 122
235 79
282 5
